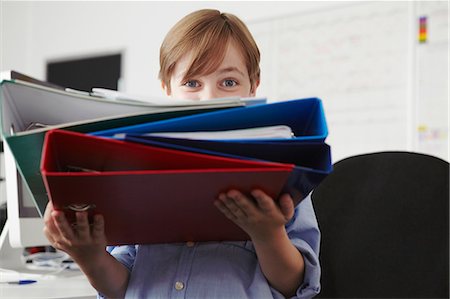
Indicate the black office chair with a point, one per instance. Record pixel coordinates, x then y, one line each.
385 227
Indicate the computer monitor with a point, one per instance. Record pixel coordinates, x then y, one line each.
24 226
84 73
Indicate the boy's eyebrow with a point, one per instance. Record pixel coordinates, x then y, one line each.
230 69
180 75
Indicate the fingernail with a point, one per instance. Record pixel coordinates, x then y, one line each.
232 193
254 193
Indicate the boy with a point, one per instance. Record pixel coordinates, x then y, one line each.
206 55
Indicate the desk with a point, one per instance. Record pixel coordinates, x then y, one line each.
68 284
65 284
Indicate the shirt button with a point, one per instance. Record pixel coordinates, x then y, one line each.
190 244
179 286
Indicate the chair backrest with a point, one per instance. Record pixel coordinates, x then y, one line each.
384 219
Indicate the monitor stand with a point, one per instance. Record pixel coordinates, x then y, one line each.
10 258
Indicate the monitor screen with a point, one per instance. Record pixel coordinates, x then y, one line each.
86 73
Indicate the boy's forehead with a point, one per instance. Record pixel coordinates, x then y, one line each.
181 66
232 61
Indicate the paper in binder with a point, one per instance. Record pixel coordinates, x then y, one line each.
305 117
269 132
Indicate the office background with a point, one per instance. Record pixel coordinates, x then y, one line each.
381 68
384 86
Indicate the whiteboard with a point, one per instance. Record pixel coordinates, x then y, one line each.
431 84
361 60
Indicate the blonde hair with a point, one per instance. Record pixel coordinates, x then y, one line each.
206 33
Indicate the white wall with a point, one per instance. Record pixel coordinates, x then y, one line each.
36 32
33 33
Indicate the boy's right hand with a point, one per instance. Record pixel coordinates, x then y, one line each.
86 244
82 242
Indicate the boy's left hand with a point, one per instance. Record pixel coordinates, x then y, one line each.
259 217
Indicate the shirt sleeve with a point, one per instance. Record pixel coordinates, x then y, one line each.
303 231
125 255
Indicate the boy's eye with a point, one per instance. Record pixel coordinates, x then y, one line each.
229 83
191 84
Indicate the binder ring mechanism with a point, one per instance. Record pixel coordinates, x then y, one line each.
80 207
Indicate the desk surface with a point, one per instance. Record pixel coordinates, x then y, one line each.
71 284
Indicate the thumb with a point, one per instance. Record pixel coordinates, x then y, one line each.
48 211
286 206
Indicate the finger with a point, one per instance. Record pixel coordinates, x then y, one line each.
219 203
222 208
50 224
286 206
265 202
244 203
63 226
231 204
48 211
49 220
82 228
98 228
48 235
51 231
